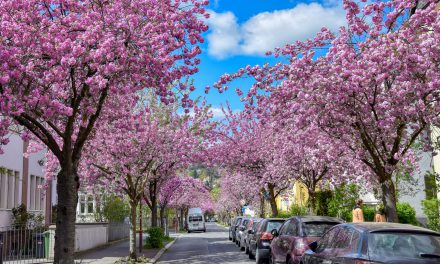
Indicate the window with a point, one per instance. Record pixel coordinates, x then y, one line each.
327 240
9 188
271 225
284 227
36 197
292 229
86 204
316 228
389 245
195 218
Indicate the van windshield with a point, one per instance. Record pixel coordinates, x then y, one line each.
195 218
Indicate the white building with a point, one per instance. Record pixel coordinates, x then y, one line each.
21 181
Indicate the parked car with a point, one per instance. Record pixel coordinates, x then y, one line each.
233 228
240 230
251 237
375 243
259 244
296 234
245 235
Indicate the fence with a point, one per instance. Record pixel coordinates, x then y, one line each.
23 245
118 231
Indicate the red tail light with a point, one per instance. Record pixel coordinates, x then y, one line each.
366 262
266 236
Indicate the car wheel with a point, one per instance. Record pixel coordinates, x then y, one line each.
241 247
189 231
251 255
233 239
270 260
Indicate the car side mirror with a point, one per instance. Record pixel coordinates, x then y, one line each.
250 231
274 232
313 246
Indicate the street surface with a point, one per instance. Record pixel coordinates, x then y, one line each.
210 247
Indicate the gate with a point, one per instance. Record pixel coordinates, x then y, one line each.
25 245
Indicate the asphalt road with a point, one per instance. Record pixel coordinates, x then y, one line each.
210 247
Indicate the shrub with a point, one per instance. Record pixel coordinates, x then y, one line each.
298 210
369 213
431 208
322 200
343 201
155 237
20 216
406 214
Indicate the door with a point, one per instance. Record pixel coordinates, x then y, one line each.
324 251
287 239
277 244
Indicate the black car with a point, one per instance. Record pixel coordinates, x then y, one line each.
375 243
259 243
233 228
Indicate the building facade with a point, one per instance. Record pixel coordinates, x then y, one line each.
22 182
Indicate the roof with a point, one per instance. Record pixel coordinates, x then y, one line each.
275 219
373 227
313 218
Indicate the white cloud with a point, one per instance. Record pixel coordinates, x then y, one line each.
268 30
217 112
225 34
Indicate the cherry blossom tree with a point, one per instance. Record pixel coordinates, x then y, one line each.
62 60
243 144
375 90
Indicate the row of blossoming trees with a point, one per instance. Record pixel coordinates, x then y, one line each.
339 107
71 74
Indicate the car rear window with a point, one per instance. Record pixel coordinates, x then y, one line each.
271 225
195 218
317 229
386 246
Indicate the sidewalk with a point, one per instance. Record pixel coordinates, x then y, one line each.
114 252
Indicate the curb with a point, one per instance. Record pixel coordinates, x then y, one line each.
162 251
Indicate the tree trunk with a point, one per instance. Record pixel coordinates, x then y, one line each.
162 216
67 190
133 230
389 200
140 227
182 219
272 201
312 201
262 207
153 212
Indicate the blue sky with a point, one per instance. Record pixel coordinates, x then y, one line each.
242 30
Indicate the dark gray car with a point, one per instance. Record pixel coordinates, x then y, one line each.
388 243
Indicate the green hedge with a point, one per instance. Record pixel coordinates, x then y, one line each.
431 208
406 214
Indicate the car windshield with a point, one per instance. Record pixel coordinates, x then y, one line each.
385 246
195 218
271 225
317 229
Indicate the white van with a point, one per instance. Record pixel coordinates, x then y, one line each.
195 220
